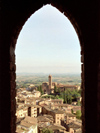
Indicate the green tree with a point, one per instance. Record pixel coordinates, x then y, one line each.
72 111
45 130
55 89
57 97
69 100
65 97
78 114
61 95
41 90
69 96
76 95
80 91
59 90
78 103
38 88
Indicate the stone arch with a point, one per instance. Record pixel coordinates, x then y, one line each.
72 20
15 15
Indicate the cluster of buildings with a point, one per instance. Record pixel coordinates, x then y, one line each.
35 114
48 87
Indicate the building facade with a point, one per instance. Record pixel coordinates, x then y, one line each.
48 87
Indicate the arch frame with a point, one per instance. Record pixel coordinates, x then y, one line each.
16 18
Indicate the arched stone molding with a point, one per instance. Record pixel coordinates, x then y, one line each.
84 17
14 39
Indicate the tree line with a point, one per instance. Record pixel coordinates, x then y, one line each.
40 89
68 95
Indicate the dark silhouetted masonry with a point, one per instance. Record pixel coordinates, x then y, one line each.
85 17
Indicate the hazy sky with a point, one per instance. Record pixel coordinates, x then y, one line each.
48 43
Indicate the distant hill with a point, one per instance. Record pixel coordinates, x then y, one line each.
25 79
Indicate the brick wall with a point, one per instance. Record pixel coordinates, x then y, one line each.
84 15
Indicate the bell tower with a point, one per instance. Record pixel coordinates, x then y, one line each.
50 82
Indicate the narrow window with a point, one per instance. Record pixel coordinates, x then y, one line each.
49 67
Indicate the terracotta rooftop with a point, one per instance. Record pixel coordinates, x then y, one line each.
45 118
19 130
30 119
47 108
70 115
37 106
75 108
26 124
19 120
79 131
21 108
43 105
52 100
68 86
63 105
74 126
56 127
56 111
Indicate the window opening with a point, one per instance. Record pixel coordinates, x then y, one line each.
44 51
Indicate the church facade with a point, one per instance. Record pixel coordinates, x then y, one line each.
48 87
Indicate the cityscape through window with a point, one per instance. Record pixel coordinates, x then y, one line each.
48 74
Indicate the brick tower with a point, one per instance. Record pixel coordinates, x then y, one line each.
50 82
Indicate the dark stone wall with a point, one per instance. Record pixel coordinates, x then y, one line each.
84 15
